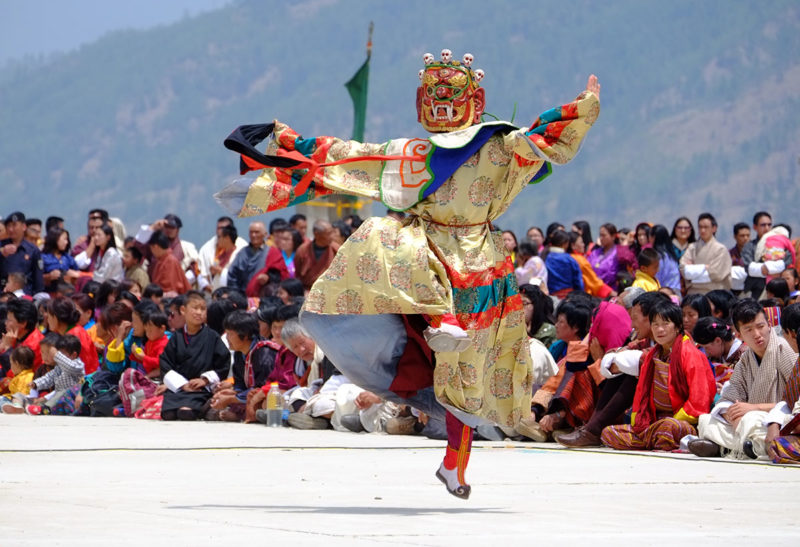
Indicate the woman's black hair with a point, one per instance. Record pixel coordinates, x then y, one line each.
635 246
586 231
668 312
107 288
25 312
108 231
51 241
722 300
779 289
708 329
64 310
297 239
662 242
152 290
542 307
692 237
790 318
292 286
218 310
343 228
577 314
699 303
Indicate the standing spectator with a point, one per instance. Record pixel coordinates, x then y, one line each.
168 273
669 274
53 222
184 251
610 260
536 236
641 238
510 243
212 253
706 264
682 235
57 262
300 223
249 259
108 265
741 234
33 232
96 219
313 258
757 268
19 255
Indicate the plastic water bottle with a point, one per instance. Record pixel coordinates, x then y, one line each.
274 406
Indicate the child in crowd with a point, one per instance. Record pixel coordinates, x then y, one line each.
531 267
791 277
22 367
15 284
694 306
155 329
715 337
64 379
564 273
649 262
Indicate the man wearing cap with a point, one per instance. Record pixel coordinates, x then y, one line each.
19 255
184 251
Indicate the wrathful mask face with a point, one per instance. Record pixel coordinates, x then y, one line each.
448 98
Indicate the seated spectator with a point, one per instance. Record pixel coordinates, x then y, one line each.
192 364
22 367
537 308
694 306
620 367
715 337
132 262
62 318
57 263
154 293
341 232
706 265
778 289
115 322
216 255
20 330
791 277
675 388
313 257
315 403
568 395
531 268
249 259
649 263
563 272
167 271
253 364
64 380
593 284
782 441
362 410
290 289
758 382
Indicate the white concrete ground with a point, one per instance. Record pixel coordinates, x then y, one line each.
94 481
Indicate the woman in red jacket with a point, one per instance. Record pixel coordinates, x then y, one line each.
676 385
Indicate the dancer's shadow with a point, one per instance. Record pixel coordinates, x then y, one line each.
349 510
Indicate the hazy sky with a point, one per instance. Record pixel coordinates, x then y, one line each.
47 26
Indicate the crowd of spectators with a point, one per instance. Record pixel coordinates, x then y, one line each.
643 339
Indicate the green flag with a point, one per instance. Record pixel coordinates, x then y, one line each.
357 87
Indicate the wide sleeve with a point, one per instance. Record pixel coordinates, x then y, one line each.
719 268
557 134
702 386
334 166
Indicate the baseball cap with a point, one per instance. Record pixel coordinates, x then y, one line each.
16 216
